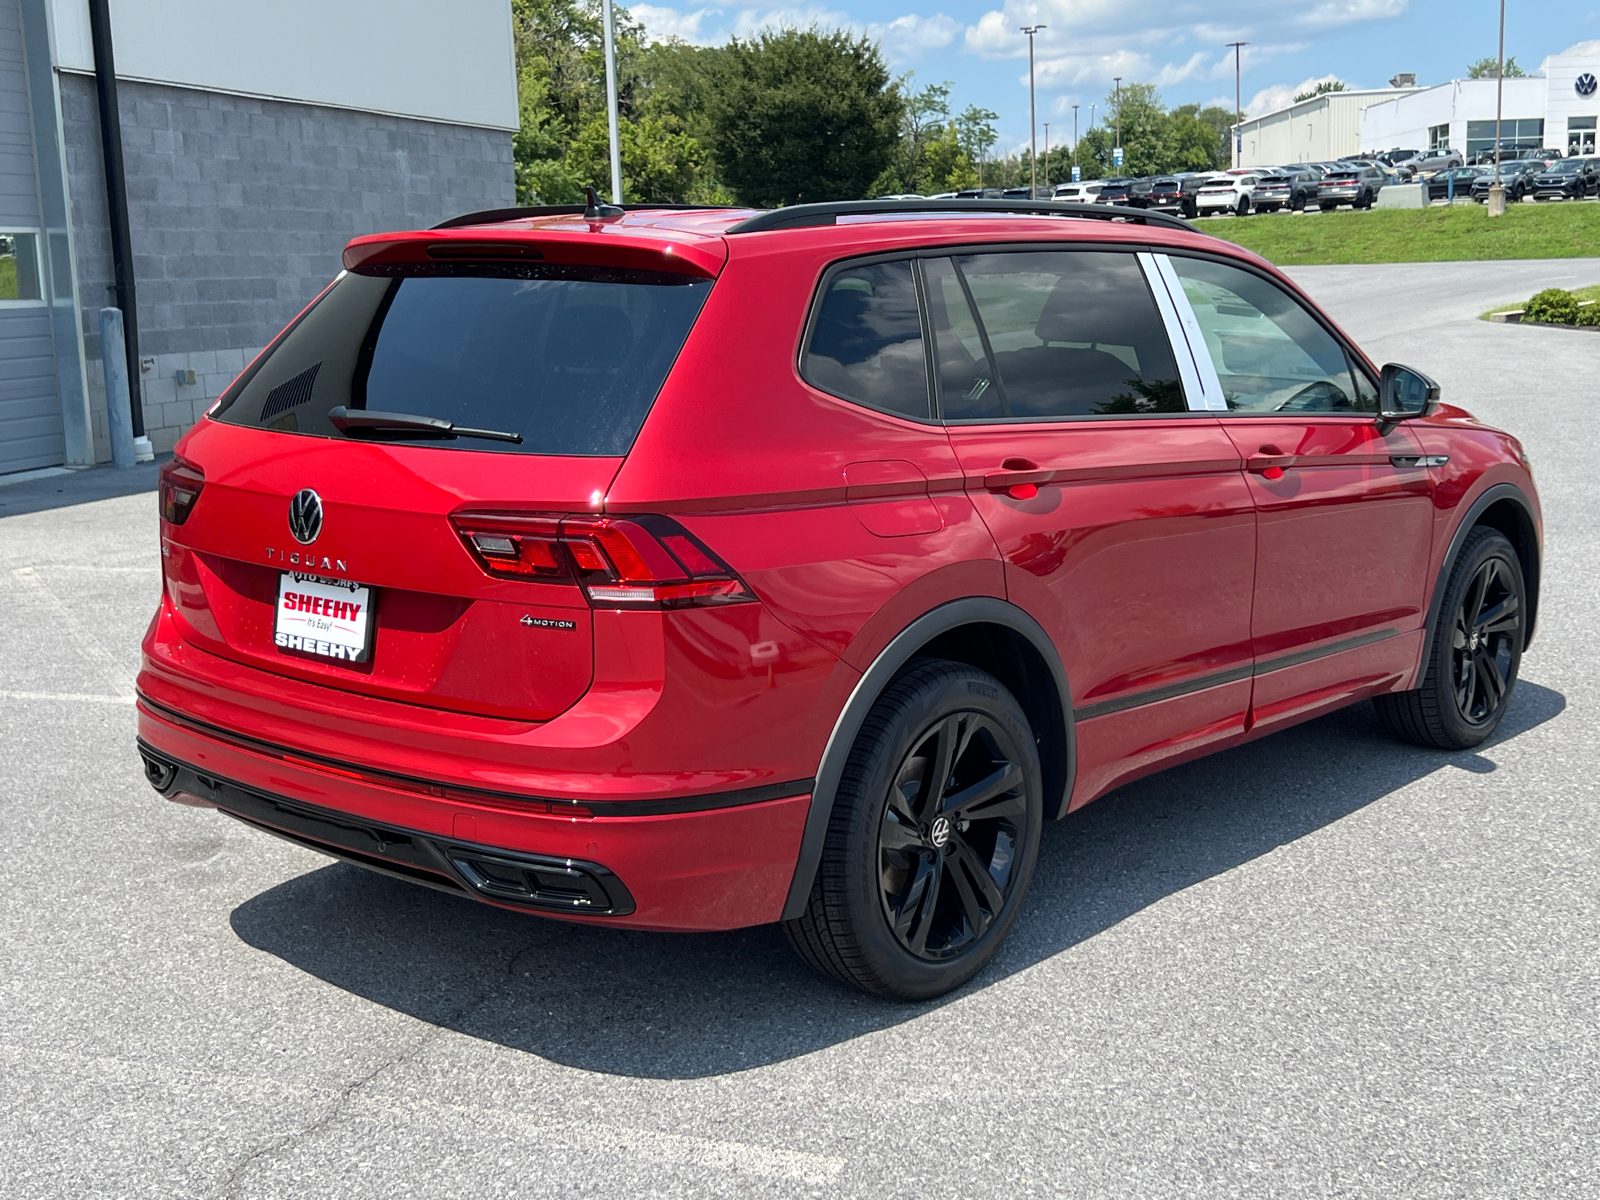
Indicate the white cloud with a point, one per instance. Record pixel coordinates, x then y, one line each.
1281 95
661 24
1332 13
904 38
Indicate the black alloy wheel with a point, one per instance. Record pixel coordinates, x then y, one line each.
932 838
1244 206
1475 652
948 840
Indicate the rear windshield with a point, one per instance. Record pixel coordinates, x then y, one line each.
569 360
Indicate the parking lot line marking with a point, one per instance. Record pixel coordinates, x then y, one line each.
66 697
574 1136
82 637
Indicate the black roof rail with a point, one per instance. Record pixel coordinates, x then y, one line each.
490 216
800 215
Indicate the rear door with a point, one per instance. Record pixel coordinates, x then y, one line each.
544 377
1345 506
1125 524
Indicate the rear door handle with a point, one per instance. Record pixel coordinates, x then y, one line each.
1018 478
1269 462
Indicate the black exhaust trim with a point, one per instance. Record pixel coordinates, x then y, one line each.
539 882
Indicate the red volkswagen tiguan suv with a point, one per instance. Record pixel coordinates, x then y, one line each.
693 569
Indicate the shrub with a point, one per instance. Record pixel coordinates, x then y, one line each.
1589 314
1555 305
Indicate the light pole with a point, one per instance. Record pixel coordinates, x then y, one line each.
611 109
1118 144
1033 131
1497 193
1074 131
1046 157
1238 105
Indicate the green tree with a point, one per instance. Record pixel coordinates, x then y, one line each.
1322 89
803 115
976 136
1489 68
1193 142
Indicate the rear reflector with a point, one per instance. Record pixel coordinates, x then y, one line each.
647 561
181 483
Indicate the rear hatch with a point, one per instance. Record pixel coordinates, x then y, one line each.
342 516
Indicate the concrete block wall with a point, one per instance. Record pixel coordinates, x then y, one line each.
239 209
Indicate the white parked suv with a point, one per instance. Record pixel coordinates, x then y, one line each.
1084 193
1226 193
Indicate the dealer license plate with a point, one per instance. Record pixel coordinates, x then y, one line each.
325 618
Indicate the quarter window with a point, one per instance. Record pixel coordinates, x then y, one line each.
866 342
1048 334
19 266
1271 355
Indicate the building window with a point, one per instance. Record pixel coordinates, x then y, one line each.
1580 135
19 266
1524 134
1438 137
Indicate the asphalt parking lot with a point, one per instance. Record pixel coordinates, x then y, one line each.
1320 965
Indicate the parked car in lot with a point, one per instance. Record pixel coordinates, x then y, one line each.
1178 193
1084 193
1427 163
1287 189
1021 193
1569 179
534 563
1455 183
1516 177
1115 191
1357 186
1223 194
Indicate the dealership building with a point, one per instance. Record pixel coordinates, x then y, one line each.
1556 109
256 140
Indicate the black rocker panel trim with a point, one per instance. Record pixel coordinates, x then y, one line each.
974 610
1154 695
598 808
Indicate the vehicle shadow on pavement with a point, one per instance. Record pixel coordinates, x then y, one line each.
676 1006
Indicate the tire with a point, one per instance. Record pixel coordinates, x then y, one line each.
902 906
1467 686
1244 207
1298 204
1327 207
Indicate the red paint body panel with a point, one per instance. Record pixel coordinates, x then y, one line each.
1166 574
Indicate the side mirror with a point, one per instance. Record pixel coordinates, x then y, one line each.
1405 392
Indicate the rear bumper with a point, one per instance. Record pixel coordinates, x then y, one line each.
719 868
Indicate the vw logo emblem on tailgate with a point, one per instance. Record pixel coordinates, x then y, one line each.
305 516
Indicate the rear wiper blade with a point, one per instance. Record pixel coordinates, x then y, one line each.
361 420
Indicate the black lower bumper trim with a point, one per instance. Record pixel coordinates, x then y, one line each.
536 881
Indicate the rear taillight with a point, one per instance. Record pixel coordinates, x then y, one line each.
181 483
619 562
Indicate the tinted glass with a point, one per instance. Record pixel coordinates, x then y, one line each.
571 363
1048 334
866 342
19 267
1271 354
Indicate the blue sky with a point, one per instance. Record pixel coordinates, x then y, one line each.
1180 45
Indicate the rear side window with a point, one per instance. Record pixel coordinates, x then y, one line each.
568 360
1049 334
866 340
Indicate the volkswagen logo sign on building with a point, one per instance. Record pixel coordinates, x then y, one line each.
1584 85
305 516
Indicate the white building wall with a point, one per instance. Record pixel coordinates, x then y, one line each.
1404 121
1562 71
441 60
1317 130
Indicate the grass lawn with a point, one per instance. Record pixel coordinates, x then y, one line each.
8 278
1445 234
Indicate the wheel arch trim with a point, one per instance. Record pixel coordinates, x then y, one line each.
1489 497
972 610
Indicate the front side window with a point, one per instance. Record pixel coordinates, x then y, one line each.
1048 334
1271 355
866 340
